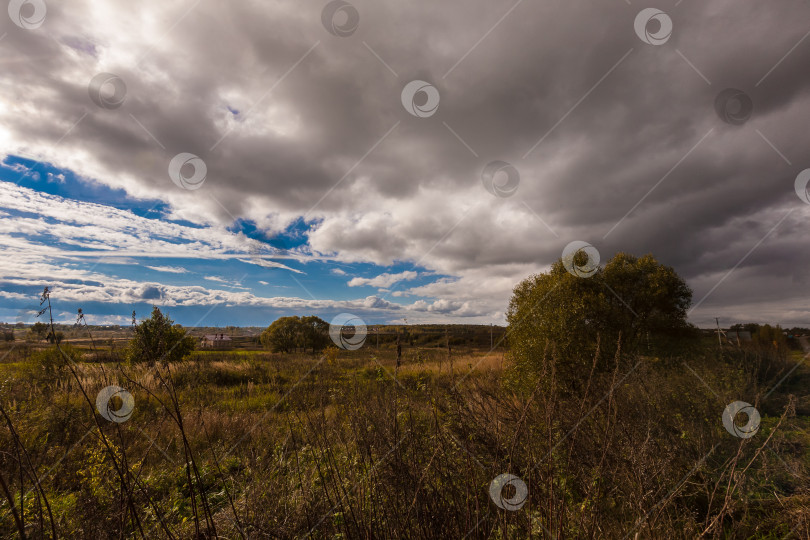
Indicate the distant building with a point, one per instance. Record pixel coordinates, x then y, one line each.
215 341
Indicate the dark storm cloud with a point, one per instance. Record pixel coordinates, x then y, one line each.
592 118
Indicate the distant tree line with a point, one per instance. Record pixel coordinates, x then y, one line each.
754 329
38 332
769 339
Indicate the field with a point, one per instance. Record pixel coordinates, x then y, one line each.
246 443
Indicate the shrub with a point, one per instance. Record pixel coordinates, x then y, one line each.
288 333
627 301
159 339
53 359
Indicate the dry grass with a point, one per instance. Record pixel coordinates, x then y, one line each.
291 446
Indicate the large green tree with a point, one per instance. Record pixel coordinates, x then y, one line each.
158 339
288 333
283 335
629 301
314 333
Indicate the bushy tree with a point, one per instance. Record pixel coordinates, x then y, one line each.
39 329
158 339
288 333
314 333
627 301
283 335
53 359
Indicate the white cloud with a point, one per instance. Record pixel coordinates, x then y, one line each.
121 237
169 269
12 295
227 282
76 229
383 280
270 264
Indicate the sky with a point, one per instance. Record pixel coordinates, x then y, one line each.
233 162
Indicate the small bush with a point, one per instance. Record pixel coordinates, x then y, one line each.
52 360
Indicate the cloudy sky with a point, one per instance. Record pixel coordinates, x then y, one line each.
237 161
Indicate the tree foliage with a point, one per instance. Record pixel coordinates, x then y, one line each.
158 339
627 301
289 333
314 333
39 329
282 335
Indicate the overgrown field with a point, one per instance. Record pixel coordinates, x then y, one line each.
346 445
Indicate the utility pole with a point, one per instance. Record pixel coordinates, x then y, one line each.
490 337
